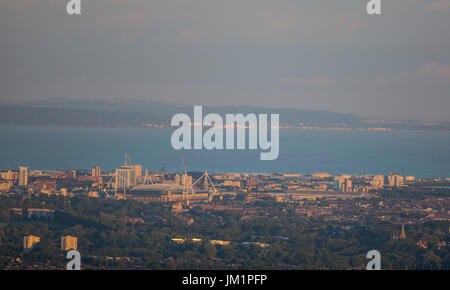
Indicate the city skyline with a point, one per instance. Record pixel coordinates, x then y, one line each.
160 220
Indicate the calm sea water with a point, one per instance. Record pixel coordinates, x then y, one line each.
422 154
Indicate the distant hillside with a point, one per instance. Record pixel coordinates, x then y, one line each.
115 105
117 112
137 113
42 116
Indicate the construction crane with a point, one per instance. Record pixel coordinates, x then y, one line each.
114 179
127 160
186 194
163 173
105 189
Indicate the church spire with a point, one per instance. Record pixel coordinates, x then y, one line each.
403 234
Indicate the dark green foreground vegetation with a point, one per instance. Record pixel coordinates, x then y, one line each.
295 242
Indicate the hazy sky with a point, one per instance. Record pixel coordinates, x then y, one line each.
309 54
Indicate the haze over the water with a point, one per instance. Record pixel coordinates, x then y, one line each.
312 54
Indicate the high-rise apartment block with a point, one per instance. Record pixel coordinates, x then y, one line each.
395 180
343 184
125 177
96 171
23 176
30 241
69 243
137 170
378 180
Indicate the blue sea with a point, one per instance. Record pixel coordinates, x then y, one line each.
417 153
